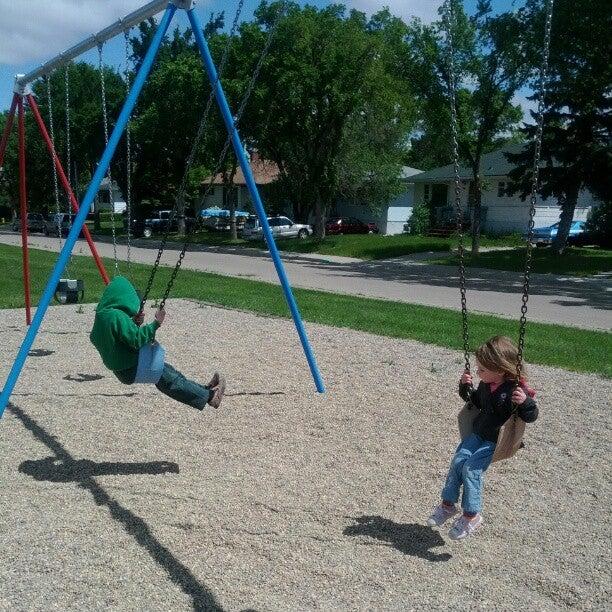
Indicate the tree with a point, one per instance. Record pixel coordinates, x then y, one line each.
576 150
492 62
86 134
320 83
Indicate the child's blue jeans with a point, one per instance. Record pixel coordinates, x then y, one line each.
174 385
472 457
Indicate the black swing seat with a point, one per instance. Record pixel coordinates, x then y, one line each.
69 291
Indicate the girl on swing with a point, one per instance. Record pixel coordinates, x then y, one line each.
496 399
119 335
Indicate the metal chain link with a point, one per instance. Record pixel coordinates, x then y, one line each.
68 146
226 146
534 185
189 162
452 87
58 212
108 173
128 145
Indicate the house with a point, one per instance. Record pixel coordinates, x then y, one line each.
392 217
102 202
501 213
264 172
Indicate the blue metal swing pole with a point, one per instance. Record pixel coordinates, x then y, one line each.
79 220
196 26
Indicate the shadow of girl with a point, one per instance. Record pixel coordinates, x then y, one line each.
409 538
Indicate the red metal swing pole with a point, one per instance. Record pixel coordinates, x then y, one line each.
23 201
7 129
66 185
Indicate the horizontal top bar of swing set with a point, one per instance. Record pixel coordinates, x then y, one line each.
122 25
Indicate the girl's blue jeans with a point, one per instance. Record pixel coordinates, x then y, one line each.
472 458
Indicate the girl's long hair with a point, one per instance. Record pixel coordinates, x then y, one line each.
499 354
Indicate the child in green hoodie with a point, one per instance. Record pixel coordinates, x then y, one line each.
118 334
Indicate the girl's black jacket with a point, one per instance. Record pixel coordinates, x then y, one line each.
495 408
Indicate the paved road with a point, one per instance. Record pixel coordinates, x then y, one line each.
579 302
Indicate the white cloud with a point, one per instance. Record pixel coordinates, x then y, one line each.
36 30
427 10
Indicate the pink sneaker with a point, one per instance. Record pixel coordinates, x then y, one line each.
465 526
441 514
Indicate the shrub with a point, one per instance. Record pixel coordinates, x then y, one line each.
420 220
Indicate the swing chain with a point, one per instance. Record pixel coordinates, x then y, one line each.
55 180
108 174
534 185
68 148
452 91
228 141
188 165
128 145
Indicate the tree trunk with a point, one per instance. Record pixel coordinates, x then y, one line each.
180 213
568 206
476 214
319 224
231 196
232 212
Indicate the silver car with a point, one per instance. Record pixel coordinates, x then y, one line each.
282 227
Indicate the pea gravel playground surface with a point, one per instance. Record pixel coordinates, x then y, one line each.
116 498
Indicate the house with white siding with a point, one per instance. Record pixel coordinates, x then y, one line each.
501 213
390 218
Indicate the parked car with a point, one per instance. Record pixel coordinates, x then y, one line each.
544 235
36 223
349 225
155 222
59 223
282 227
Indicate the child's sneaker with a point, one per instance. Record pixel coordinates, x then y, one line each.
465 526
214 381
441 514
218 391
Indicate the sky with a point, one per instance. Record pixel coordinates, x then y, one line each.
34 31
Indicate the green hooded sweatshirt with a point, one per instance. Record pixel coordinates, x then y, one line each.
115 335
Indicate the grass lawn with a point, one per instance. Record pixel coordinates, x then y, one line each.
575 261
566 347
359 246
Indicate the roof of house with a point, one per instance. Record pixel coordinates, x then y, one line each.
264 172
491 164
407 172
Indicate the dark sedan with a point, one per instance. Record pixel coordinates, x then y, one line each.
349 225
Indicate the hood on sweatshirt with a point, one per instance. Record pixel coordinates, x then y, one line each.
120 294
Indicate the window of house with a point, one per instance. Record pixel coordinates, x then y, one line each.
427 192
501 189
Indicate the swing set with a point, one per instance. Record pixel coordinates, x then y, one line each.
66 288
511 435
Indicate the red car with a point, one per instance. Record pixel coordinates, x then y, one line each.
349 225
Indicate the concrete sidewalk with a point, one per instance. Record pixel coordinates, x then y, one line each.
573 301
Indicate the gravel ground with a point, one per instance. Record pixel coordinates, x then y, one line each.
115 497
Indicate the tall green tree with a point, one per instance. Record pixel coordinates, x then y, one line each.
328 77
492 62
576 148
86 135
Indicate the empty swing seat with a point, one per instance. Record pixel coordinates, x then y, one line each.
151 359
69 291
